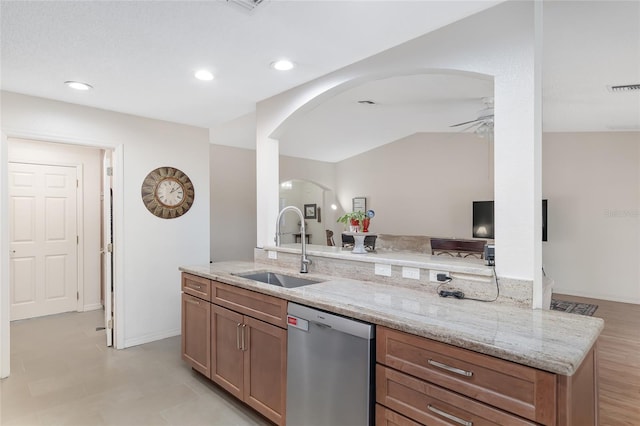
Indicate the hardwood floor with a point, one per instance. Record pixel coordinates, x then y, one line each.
619 360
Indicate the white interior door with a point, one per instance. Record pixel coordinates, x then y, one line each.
107 250
43 240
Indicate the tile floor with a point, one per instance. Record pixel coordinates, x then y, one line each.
62 373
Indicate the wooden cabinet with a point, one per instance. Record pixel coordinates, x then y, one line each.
386 417
249 359
226 356
196 333
435 383
196 286
265 369
238 339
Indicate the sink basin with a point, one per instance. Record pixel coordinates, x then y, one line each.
281 280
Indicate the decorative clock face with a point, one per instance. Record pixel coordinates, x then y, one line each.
167 192
170 192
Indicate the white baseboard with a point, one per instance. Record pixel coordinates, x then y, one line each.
148 338
92 307
593 295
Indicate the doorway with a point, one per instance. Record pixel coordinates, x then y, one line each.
87 238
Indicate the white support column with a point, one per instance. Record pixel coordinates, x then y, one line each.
518 168
267 189
538 290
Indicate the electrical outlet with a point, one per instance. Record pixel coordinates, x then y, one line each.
433 274
272 254
412 273
384 270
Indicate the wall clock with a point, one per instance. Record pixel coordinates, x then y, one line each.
167 192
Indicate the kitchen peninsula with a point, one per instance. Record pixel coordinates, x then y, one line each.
523 366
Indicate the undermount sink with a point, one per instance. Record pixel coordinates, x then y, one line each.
282 280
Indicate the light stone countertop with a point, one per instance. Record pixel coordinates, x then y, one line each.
548 340
399 258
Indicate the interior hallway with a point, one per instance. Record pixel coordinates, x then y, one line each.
62 373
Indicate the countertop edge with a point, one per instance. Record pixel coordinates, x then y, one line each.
560 365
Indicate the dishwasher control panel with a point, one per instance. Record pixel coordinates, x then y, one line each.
296 322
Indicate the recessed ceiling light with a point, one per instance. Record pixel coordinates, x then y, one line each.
78 85
282 65
203 75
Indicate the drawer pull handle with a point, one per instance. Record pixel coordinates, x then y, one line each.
195 302
243 348
238 336
449 416
449 368
197 287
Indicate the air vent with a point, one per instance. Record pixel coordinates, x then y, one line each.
625 88
247 5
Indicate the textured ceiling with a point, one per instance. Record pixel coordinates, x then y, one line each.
140 56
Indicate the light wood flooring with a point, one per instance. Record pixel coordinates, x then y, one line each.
619 361
62 373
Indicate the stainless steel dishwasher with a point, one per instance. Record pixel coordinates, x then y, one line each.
330 362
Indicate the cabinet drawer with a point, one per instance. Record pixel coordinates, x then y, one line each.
386 417
257 305
196 286
515 388
432 405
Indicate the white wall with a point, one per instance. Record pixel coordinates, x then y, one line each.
233 203
592 182
4 259
91 160
506 50
423 184
150 249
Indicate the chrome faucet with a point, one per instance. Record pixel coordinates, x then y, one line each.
304 261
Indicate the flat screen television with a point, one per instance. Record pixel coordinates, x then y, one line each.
483 220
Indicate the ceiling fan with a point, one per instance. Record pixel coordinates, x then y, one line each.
483 125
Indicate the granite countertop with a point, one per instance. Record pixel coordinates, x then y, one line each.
548 340
399 258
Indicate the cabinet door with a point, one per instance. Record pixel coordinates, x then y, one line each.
226 355
196 333
265 363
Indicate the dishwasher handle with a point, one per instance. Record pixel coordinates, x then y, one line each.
328 320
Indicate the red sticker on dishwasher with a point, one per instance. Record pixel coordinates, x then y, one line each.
296 322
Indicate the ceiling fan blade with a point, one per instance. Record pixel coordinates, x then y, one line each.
478 124
466 122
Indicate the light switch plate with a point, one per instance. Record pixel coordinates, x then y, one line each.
272 254
412 273
384 270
